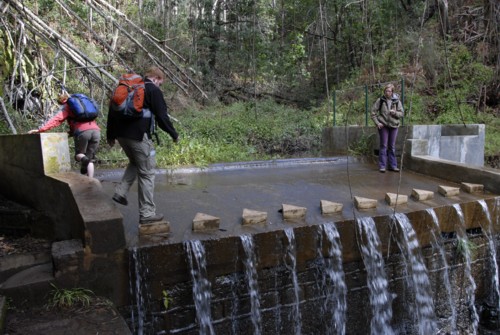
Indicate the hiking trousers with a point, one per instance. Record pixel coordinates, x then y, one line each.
142 162
387 149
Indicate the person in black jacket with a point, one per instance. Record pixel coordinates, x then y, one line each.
135 139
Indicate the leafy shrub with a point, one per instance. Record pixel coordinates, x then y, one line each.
67 298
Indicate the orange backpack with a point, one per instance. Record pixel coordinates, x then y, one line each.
128 97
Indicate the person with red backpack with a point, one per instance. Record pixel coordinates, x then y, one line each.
84 129
133 130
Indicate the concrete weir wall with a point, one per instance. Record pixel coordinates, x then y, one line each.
165 271
152 282
87 229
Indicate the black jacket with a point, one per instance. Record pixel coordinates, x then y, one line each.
135 128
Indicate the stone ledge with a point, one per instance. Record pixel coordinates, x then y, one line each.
161 227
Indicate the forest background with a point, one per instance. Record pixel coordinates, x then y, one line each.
255 79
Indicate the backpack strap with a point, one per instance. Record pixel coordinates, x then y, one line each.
380 104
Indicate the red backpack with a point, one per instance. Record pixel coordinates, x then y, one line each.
128 97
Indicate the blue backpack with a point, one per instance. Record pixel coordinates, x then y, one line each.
83 108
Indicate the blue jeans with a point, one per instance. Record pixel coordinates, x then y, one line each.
387 149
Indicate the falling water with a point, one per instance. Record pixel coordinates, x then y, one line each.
493 252
235 304
438 244
419 279
333 281
139 296
465 248
251 276
377 279
290 251
201 285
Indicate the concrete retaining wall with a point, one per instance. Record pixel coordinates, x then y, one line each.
458 143
37 173
168 274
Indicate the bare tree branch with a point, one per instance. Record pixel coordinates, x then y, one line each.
7 117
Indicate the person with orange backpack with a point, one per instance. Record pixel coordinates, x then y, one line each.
80 112
135 105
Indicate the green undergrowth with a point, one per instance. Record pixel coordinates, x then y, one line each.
239 132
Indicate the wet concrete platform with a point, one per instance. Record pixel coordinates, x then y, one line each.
224 190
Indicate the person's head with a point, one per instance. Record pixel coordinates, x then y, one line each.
388 90
155 74
62 98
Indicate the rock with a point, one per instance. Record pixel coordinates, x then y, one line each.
205 222
252 217
421 195
328 207
365 203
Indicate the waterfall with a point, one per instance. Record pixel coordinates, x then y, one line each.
418 279
333 281
493 253
464 247
380 299
292 267
251 276
235 303
438 244
201 286
139 297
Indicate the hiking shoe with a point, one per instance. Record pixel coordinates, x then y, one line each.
382 170
394 169
119 199
151 219
85 162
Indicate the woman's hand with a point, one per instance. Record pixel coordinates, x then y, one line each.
33 131
380 126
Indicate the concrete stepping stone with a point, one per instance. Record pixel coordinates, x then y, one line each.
448 191
253 217
154 228
329 207
395 199
421 195
205 222
365 203
291 212
472 188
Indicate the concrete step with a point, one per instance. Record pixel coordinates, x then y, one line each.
3 313
15 263
29 287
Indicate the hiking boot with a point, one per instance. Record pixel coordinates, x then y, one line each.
85 162
151 219
119 199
